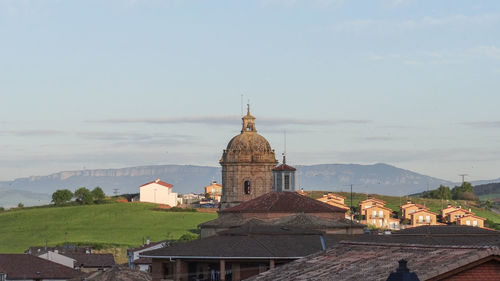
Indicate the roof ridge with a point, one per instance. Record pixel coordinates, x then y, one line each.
417 245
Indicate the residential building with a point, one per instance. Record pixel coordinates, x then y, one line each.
58 258
234 255
471 220
367 203
451 217
158 192
334 200
143 264
92 262
28 267
214 191
423 217
409 208
380 217
444 212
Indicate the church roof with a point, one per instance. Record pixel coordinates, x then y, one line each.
284 167
283 202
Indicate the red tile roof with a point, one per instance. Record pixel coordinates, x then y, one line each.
24 266
158 181
283 202
284 167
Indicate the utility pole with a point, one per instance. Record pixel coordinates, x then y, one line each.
352 213
463 177
115 191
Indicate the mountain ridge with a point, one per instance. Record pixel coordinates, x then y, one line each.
375 178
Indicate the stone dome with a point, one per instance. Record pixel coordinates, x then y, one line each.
249 142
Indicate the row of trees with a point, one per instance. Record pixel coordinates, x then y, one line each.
82 195
461 192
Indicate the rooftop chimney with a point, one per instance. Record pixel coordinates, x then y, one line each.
402 273
157 180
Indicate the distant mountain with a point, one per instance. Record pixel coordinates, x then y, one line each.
377 178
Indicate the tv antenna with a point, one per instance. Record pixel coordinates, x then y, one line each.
115 191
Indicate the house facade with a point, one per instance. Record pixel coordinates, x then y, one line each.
410 208
158 192
214 191
471 220
423 217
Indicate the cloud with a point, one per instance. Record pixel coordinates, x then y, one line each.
232 120
381 138
27 133
483 124
139 139
491 52
389 26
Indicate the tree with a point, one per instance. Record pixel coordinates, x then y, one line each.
61 196
463 192
2 209
98 195
20 205
83 196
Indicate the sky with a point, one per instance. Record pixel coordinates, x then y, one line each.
120 83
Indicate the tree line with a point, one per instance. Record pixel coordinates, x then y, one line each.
465 191
82 195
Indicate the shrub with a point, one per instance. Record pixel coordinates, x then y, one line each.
187 237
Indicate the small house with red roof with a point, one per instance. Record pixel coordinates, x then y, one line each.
158 192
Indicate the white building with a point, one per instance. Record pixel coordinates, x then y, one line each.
58 258
158 192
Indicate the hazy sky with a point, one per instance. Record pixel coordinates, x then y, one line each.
111 84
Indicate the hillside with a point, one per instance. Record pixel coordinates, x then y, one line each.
377 178
393 202
113 224
488 191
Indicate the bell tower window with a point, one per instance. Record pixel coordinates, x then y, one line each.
246 187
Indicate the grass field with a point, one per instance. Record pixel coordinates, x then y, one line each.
110 225
393 202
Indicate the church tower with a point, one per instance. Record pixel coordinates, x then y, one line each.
247 166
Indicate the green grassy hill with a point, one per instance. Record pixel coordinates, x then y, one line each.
393 202
108 225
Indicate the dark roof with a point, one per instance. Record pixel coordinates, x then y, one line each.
92 260
284 167
118 273
152 244
367 261
24 266
283 202
143 261
295 220
447 229
242 246
457 240
67 248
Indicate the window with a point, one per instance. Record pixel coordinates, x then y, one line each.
381 214
246 187
287 182
467 222
428 218
374 214
420 218
474 223
3 276
374 222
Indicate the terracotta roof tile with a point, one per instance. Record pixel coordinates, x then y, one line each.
158 181
284 167
283 202
350 261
